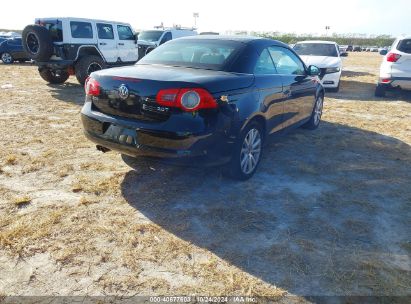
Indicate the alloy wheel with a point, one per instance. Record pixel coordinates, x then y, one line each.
318 109
33 44
250 151
94 66
6 58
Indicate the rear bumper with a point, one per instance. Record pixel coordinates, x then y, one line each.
210 147
395 82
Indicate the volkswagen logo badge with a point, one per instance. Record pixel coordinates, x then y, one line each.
123 92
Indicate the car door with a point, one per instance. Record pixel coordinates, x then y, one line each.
270 89
127 46
16 48
299 88
106 42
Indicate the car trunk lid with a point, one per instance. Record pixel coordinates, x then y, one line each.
131 91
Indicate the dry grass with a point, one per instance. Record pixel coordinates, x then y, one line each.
11 159
87 200
24 234
109 185
22 201
65 170
321 204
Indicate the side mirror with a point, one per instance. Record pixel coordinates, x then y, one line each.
313 70
383 52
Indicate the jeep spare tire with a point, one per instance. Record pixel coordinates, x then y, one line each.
37 42
87 65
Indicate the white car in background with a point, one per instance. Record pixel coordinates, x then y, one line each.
395 70
148 40
326 56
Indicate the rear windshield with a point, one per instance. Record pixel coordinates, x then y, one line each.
316 49
150 36
55 28
202 54
404 46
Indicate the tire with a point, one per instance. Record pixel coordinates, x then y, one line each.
37 42
86 65
53 76
237 168
7 58
315 117
380 91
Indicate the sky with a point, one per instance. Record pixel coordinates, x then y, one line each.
291 16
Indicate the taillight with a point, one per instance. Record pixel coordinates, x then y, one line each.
187 99
92 87
393 57
168 97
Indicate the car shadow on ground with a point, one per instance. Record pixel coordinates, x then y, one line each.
327 212
68 92
350 74
363 91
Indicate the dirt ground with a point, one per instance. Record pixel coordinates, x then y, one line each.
328 212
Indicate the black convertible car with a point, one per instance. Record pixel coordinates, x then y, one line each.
203 99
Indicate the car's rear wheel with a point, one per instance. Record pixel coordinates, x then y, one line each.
54 76
7 58
37 42
316 114
380 91
246 153
87 65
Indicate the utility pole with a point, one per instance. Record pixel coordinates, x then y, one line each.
195 15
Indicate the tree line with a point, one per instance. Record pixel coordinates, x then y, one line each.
341 39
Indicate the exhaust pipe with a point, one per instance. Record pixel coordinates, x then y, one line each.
102 149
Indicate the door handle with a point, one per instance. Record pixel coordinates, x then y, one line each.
103 43
121 44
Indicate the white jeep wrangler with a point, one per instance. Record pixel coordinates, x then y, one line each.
72 46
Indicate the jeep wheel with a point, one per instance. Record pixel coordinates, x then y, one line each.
54 76
7 58
37 42
87 65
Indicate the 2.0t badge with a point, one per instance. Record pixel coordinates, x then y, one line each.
123 92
